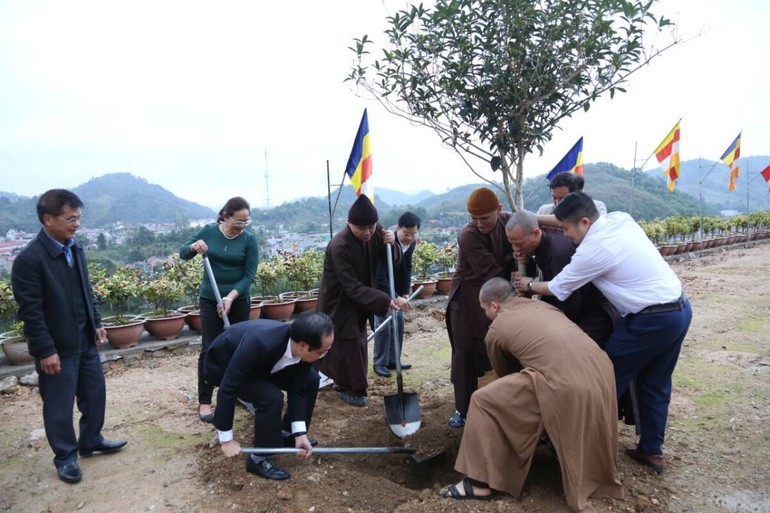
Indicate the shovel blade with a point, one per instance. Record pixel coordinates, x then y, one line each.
402 412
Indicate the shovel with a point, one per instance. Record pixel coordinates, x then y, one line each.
402 411
387 319
328 450
217 295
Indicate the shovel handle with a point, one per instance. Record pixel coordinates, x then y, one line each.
329 450
387 319
217 295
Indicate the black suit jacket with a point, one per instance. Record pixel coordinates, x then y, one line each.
247 351
402 272
39 286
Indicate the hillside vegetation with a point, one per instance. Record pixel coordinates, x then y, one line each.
124 198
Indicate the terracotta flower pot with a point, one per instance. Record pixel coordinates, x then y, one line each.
165 327
277 309
123 336
16 350
193 320
255 310
429 287
663 250
443 283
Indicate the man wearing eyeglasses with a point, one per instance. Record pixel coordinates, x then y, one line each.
256 361
384 343
63 328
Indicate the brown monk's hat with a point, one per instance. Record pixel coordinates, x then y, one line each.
482 201
363 213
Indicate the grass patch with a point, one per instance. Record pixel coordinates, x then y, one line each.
756 325
156 437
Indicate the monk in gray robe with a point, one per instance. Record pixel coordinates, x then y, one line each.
553 379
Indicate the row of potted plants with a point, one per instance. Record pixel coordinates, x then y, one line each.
680 234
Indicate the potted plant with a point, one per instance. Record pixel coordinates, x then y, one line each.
447 259
303 272
269 274
15 345
425 255
165 323
188 274
118 290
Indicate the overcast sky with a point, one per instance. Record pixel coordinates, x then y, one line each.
191 95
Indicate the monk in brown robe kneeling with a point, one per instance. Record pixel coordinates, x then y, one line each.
553 380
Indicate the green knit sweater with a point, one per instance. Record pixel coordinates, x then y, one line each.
234 261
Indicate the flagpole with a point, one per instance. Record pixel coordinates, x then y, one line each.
747 186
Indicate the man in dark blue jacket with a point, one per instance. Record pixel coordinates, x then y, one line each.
256 361
384 347
63 327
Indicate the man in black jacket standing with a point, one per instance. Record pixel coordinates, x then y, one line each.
256 361
63 327
384 348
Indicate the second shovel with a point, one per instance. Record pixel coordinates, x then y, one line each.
402 410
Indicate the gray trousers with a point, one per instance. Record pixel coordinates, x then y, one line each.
384 346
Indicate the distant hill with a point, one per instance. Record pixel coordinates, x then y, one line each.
117 197
715 177
648 199
124 198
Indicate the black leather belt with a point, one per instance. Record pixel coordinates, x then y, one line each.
666 307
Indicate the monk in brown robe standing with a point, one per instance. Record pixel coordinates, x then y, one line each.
553 379
483 253
350 297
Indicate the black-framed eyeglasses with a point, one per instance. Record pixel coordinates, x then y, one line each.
71 220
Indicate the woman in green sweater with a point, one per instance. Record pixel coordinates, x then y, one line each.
234 254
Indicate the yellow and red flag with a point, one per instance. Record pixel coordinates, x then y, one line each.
667 154
730 157
359 167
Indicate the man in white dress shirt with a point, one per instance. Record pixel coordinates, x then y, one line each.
615 255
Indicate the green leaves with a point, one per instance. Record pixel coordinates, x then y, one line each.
493 78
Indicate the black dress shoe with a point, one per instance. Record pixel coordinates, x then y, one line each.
288 441
208 418
457 420
266 469
104 447
404 366
381 371
358 401
70 473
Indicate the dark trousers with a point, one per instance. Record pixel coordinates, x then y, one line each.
82 379
646 346
266 394
384 344
211 326
469 361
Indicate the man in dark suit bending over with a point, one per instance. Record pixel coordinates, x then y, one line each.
256 361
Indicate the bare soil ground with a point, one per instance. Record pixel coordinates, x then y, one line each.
718 442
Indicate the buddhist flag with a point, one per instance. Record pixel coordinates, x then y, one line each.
667 154
730 157
766 175
359 167
572 161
